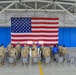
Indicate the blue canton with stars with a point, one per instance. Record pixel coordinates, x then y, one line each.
20 25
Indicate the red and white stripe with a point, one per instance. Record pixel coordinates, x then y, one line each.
44 30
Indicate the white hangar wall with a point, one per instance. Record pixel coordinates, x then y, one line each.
65 20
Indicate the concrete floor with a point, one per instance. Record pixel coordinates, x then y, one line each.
52 69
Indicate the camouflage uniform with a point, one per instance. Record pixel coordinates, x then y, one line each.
24 52
46 52
2 52
13 53
60 49
34 47
9 47
64 51
41 50
34 50
18 48
34 53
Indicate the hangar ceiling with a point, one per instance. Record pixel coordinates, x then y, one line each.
68 6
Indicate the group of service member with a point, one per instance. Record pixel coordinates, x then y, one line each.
52 50
17 51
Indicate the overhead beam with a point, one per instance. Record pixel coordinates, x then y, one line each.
75 9
70 0
44 1
6 7
65 10
49 3
25 5
16 1
70 7
66 3
25 1
1 7
43 6
35 13
7 1
34 10
16 6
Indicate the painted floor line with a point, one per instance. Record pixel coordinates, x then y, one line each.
40 69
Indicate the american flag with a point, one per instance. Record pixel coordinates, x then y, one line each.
38 30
